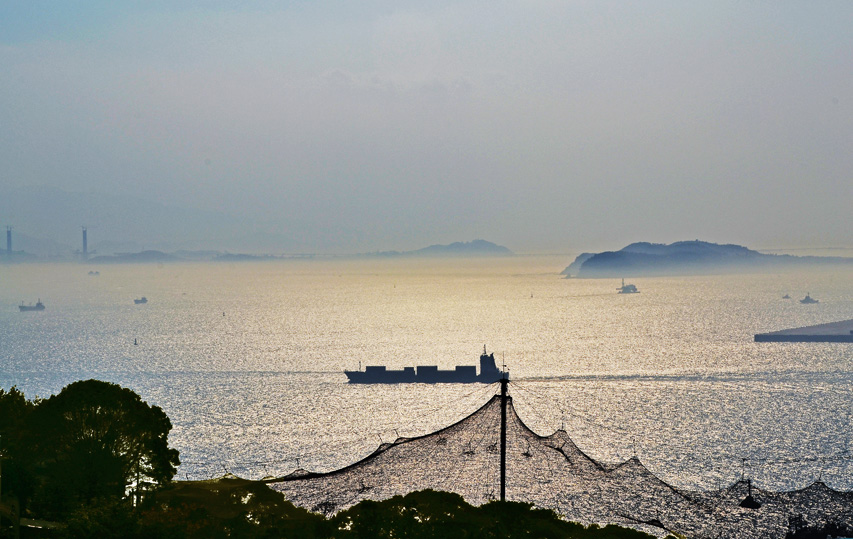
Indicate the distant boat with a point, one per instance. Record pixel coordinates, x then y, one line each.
808 299
143 299
627 288
94 273
39 306
429 374
786 296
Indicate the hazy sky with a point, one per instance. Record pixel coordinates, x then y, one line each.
538 125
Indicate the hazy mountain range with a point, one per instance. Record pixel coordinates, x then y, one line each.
47 223
684 258
472 248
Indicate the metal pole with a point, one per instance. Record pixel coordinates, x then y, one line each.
503 438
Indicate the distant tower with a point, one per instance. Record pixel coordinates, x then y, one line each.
9 240
85 245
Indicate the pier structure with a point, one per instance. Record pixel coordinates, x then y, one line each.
832 332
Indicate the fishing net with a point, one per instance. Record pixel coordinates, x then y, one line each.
552 472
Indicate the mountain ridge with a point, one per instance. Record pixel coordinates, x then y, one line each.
456 249
459 248
684 258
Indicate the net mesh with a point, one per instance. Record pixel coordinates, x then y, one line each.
552 472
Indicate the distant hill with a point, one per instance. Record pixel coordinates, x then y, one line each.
471 248
239 257
685 258
135 258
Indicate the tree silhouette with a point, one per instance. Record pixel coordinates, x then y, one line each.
97 441
431 514
17 481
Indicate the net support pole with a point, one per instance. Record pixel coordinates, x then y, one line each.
503 437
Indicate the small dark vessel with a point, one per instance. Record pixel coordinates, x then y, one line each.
143 299
627 288
786 296
430 374
808 299
39 306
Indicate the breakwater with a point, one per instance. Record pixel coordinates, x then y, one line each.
831 332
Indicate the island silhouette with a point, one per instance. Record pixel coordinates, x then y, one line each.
644 259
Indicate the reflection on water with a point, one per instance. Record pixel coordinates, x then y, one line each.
247 359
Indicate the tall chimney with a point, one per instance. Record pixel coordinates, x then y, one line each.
85 245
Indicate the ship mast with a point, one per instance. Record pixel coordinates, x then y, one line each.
504 382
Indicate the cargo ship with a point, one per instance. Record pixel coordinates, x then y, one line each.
39 306
430 374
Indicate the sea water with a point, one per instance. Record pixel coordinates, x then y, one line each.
247 359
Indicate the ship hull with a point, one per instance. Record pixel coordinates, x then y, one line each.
424 374
430 374
401 377
359 377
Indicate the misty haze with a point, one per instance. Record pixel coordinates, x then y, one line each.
543 128
302 269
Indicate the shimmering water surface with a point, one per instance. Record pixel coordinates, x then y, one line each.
247 359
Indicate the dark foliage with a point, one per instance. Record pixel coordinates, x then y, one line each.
228 507
430 514
232 507
93 444
108 519
15 411
97 441
798 529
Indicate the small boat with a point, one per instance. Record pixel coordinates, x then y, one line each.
808 299
39 306
786 296
143 299
627 288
